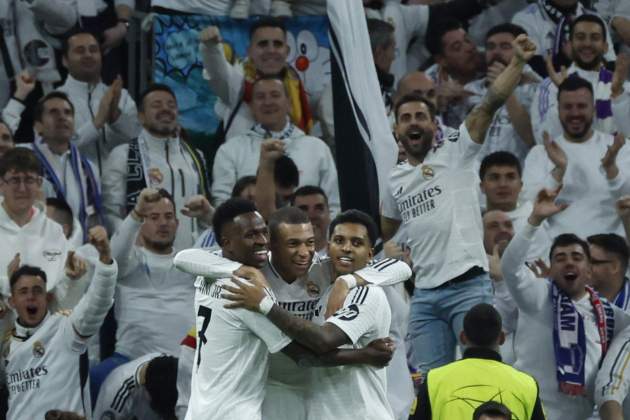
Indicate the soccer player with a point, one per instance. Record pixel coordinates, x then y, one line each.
364 316
46 362
297 282
231 359
143 389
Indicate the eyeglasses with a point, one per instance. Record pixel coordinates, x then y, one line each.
28 181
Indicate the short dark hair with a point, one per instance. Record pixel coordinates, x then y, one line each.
165 194
573 83
492 408
161 385
287 215
229 210
62 208
26 270
380 32
587 17
276 77
65 42
242 183
308 190
613 243
414 97
55 94
357 217
286 173
20 159
500 158
155 87
433 41
567 239
482 325
267 22
506 28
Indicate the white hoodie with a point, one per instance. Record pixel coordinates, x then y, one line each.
239 157
40 242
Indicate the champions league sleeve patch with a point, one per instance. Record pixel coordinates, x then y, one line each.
348 313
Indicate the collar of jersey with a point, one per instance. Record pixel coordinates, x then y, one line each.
24 333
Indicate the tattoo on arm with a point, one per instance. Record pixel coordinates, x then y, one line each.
319 339
480 118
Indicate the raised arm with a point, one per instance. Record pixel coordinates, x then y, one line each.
265 197
479 119
89 314
528 291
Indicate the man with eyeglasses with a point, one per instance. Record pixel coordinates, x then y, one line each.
28 236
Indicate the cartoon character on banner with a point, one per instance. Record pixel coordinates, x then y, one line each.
311 62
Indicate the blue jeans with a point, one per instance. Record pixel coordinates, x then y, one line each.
99 373
436 320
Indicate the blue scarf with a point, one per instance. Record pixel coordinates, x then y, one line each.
569 337
93 195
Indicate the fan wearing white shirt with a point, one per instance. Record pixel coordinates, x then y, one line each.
589 45
590 164
564 327
46 359
232 360
363 316
433 198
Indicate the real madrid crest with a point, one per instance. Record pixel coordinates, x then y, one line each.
38 349
312 289
427 171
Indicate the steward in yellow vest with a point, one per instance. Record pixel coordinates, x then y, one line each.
454 391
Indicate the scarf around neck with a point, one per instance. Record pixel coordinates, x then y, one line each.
569 337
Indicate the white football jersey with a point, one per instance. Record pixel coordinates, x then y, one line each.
231 359
438 205
353 391
121 396
47 368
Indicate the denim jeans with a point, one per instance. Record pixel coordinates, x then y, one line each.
436 319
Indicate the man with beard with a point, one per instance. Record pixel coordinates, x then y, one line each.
511 129
158 158
313 201
590 164
433 196
564 328
589 45
153 298
360 317
233 346
266 56
548 23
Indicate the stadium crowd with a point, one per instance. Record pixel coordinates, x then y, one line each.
143 277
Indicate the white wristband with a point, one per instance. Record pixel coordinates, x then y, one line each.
350 280
265 305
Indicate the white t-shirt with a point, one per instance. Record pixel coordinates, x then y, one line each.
585 187
232 357
359 391
121 396
438 205
43 371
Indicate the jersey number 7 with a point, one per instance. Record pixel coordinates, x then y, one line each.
206 314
